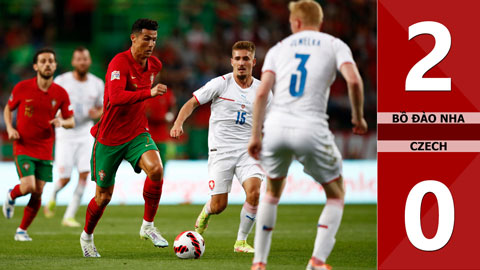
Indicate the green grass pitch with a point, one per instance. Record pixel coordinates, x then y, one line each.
117 240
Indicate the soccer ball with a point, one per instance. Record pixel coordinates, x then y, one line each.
189 245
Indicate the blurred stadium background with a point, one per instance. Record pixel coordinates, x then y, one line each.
195 39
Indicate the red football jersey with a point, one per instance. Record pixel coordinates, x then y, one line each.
156 109
35 109
127 85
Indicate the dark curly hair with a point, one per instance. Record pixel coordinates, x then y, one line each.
140 24
44 50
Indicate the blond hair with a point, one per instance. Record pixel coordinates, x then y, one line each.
308 11
244 45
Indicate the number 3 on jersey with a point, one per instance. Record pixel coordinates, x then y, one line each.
303 76
240 117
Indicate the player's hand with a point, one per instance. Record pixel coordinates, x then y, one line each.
13 134
94 113
359 126
57 122
255 147
158 90
176 131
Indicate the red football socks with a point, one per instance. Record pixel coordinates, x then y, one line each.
152 191
15 193
94 213
30 212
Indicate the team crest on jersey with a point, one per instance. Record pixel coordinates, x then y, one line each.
151 78
115 75
11 97
211 184
54 102
28 110
102 174
26 166
243 106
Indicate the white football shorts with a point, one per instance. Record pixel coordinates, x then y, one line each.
223 166
315 149
73 153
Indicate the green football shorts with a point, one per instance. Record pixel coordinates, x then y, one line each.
26 166
106 159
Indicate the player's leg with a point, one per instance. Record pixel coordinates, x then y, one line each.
151 164
221 168
95 210
82 162
250 175
324 164
328 224
49 208
43 174
214 206
69 216
143 155
275 160
30 212
25 166
26 186
266 219
104 164
64 155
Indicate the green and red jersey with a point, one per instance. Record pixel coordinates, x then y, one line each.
127 84
35 109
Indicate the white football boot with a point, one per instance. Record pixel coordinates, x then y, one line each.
152 233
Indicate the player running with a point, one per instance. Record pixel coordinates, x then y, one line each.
37 101
301 69
73 147
122 133
230 125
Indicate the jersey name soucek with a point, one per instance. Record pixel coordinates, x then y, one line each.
231 111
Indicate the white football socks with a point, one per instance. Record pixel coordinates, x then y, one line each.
75 202
327 228
86 236
247 220
267 216
147 223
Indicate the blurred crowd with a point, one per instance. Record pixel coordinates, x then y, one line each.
195 39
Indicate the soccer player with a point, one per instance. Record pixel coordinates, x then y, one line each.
232 98
37 101
73 147
301 69
122 133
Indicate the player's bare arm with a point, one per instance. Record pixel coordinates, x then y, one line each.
158 90
355 93
65 123
259 108
185 112
12 132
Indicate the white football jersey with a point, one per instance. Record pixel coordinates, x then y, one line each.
230 123
83 96
305 65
